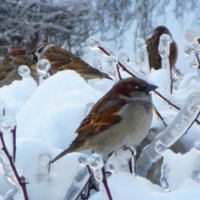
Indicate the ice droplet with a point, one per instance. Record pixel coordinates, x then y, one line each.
192 35
93 43
123 57
164 45
140 43
43 66
95 161
194 64
160 147
24 71
189 50
83 160
7 123
197 145
112 60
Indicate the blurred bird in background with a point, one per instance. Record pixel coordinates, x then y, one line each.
61 59
152 48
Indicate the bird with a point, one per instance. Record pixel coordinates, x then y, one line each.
61 59
152 48
12 61
122 117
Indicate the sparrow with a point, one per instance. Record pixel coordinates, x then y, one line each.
9 68
61 59
122 117
152 48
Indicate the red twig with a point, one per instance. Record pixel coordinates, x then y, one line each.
13 131
106 184
21 180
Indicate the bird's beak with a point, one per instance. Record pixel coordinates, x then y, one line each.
31 57
150 87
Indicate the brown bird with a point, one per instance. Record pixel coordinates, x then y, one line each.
122 117
152 48
10 65
61 59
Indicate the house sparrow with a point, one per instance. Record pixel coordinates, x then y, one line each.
61 59
9 68
152 48
122 117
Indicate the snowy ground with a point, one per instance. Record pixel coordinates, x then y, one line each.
47 117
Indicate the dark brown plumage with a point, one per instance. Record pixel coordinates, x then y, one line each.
61 59
152 48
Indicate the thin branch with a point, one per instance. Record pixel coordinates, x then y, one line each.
21 180
13 131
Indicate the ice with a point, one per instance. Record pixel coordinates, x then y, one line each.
95 161
7 123
43 67
164 45
93 43
2 108
83 159
160 147
192 35
143 56
112 67
97 64
189 50
24 71
171 134
78 184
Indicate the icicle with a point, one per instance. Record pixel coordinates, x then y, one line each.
95 161
112 67
161 148
43 172
78 184
164 51
2 108
143 56
93 43
196 171
24 71
171 134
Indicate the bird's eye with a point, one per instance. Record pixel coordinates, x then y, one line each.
40 49
139 88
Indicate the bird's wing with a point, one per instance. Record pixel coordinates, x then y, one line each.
101 117
64 59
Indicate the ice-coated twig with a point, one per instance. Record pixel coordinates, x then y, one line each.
161 148
196 171
8 127
164 51
10 170
143 56
78 184
179 126
13 131
159 115
96 163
